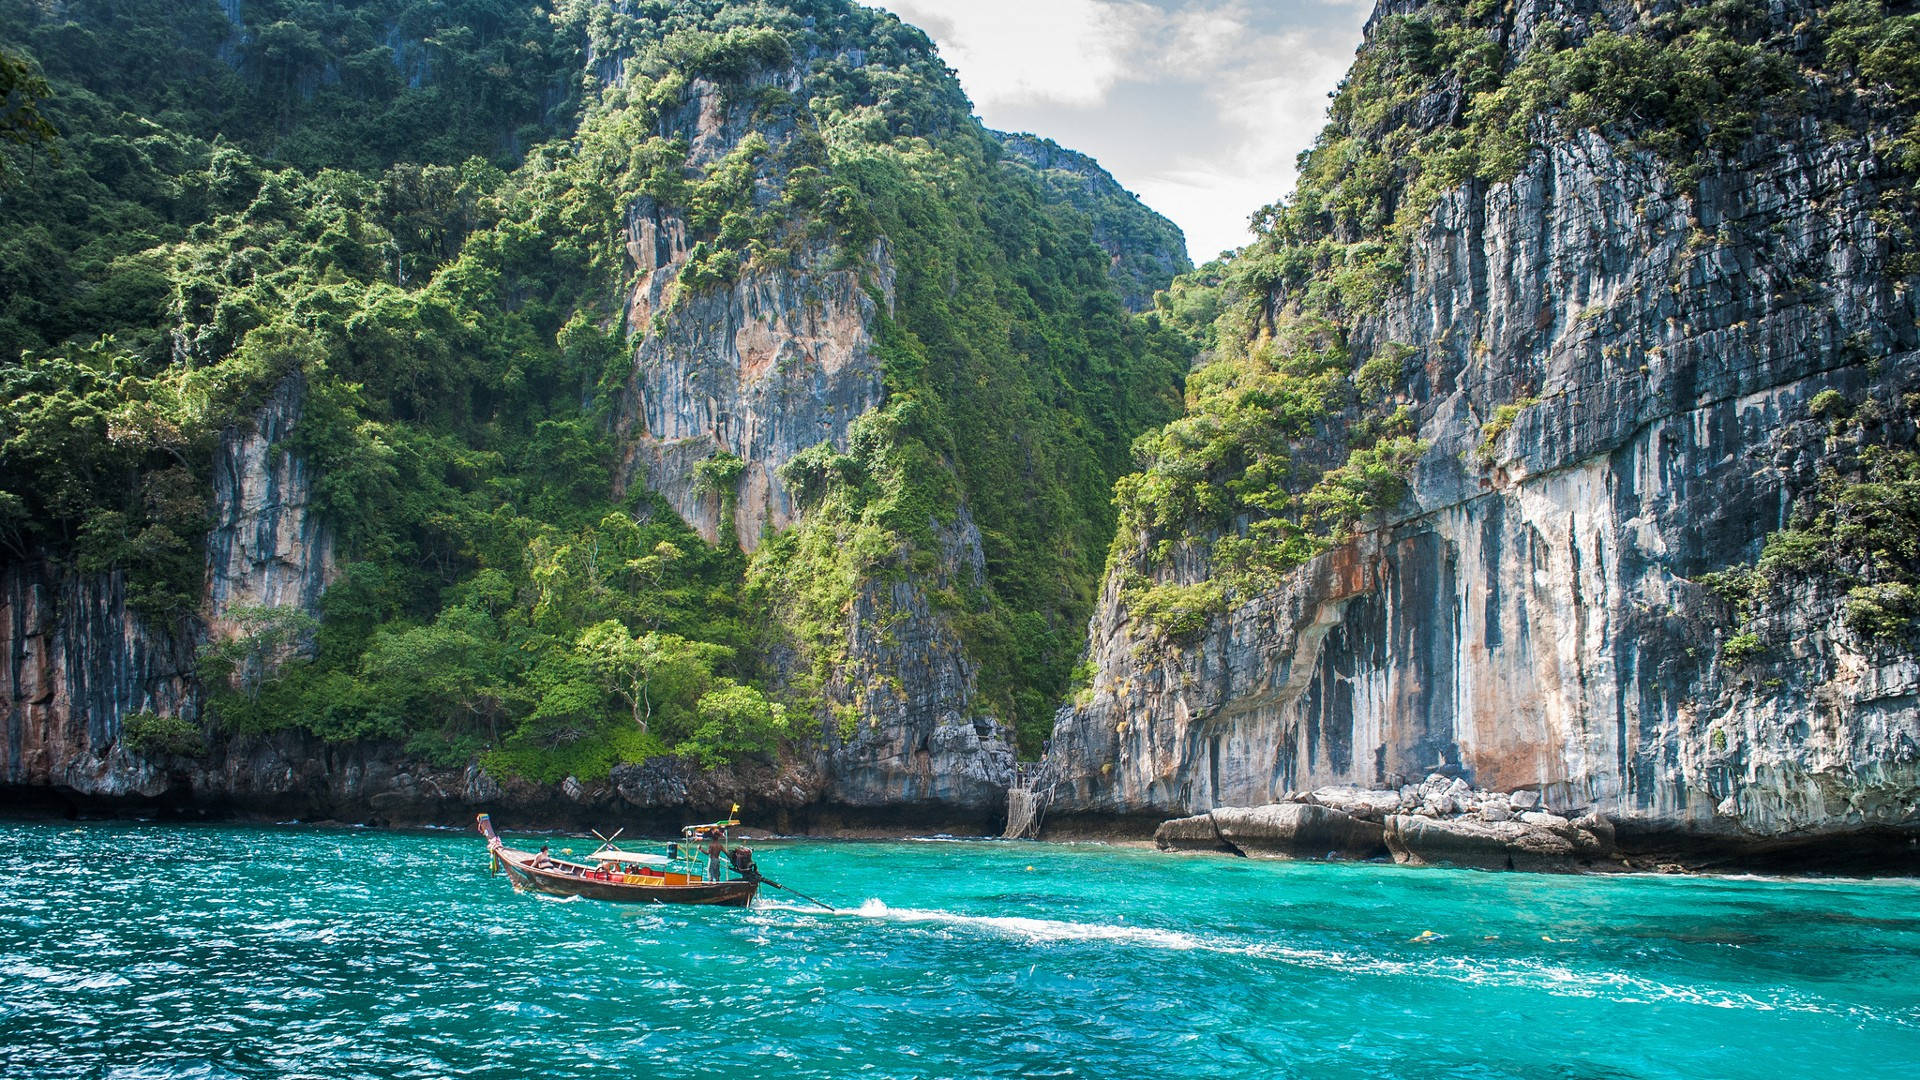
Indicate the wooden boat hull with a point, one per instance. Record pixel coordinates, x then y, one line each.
519 869
572 879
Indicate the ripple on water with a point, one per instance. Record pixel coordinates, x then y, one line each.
174 1069
339 955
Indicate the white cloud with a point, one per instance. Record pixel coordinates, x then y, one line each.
1277 116
1014 52
1259 72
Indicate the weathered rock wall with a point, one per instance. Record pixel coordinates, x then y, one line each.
775 363
1535 622
76 662
292 775
79 661
920 739
779 361
267 547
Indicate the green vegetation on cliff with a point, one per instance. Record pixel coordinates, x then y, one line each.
1856 532
1293 438
1145 249
411 215
21 89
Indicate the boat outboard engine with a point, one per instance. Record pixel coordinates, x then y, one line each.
742 859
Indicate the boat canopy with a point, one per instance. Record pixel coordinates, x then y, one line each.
732 819
692 829
613 855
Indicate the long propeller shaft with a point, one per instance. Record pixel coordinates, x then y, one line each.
799 894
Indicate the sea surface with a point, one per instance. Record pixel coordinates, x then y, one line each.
135 950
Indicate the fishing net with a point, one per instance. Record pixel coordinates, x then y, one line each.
1024 807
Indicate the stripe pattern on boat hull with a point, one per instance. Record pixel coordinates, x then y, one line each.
560 883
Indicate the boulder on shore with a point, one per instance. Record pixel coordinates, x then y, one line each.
1301 830
1443 820
1495 845
1297 829
1364 803
1194 833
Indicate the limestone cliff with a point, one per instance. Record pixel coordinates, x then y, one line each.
749 405
778 361
267 547
80 661
1613 365
755 371
921 736
77 663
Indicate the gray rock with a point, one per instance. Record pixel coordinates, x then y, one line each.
1296 829
1506 845
479 787
923 739
1196 833
388 802
1595 833
1364 803
82 661
266 547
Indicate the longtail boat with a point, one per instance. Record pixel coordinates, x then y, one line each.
634 877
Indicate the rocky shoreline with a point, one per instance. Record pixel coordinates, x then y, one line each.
1445 821
819 822
289 776
1442 821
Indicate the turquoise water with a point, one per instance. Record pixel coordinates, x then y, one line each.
131 951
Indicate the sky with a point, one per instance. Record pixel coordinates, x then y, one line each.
1197 106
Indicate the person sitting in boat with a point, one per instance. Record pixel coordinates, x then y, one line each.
543 859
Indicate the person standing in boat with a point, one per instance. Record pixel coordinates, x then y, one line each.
716 848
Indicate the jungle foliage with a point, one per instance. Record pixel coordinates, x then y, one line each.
408 214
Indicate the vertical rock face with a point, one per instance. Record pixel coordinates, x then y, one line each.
780 361
919 737
267 548
1536 623
78 661
74 662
